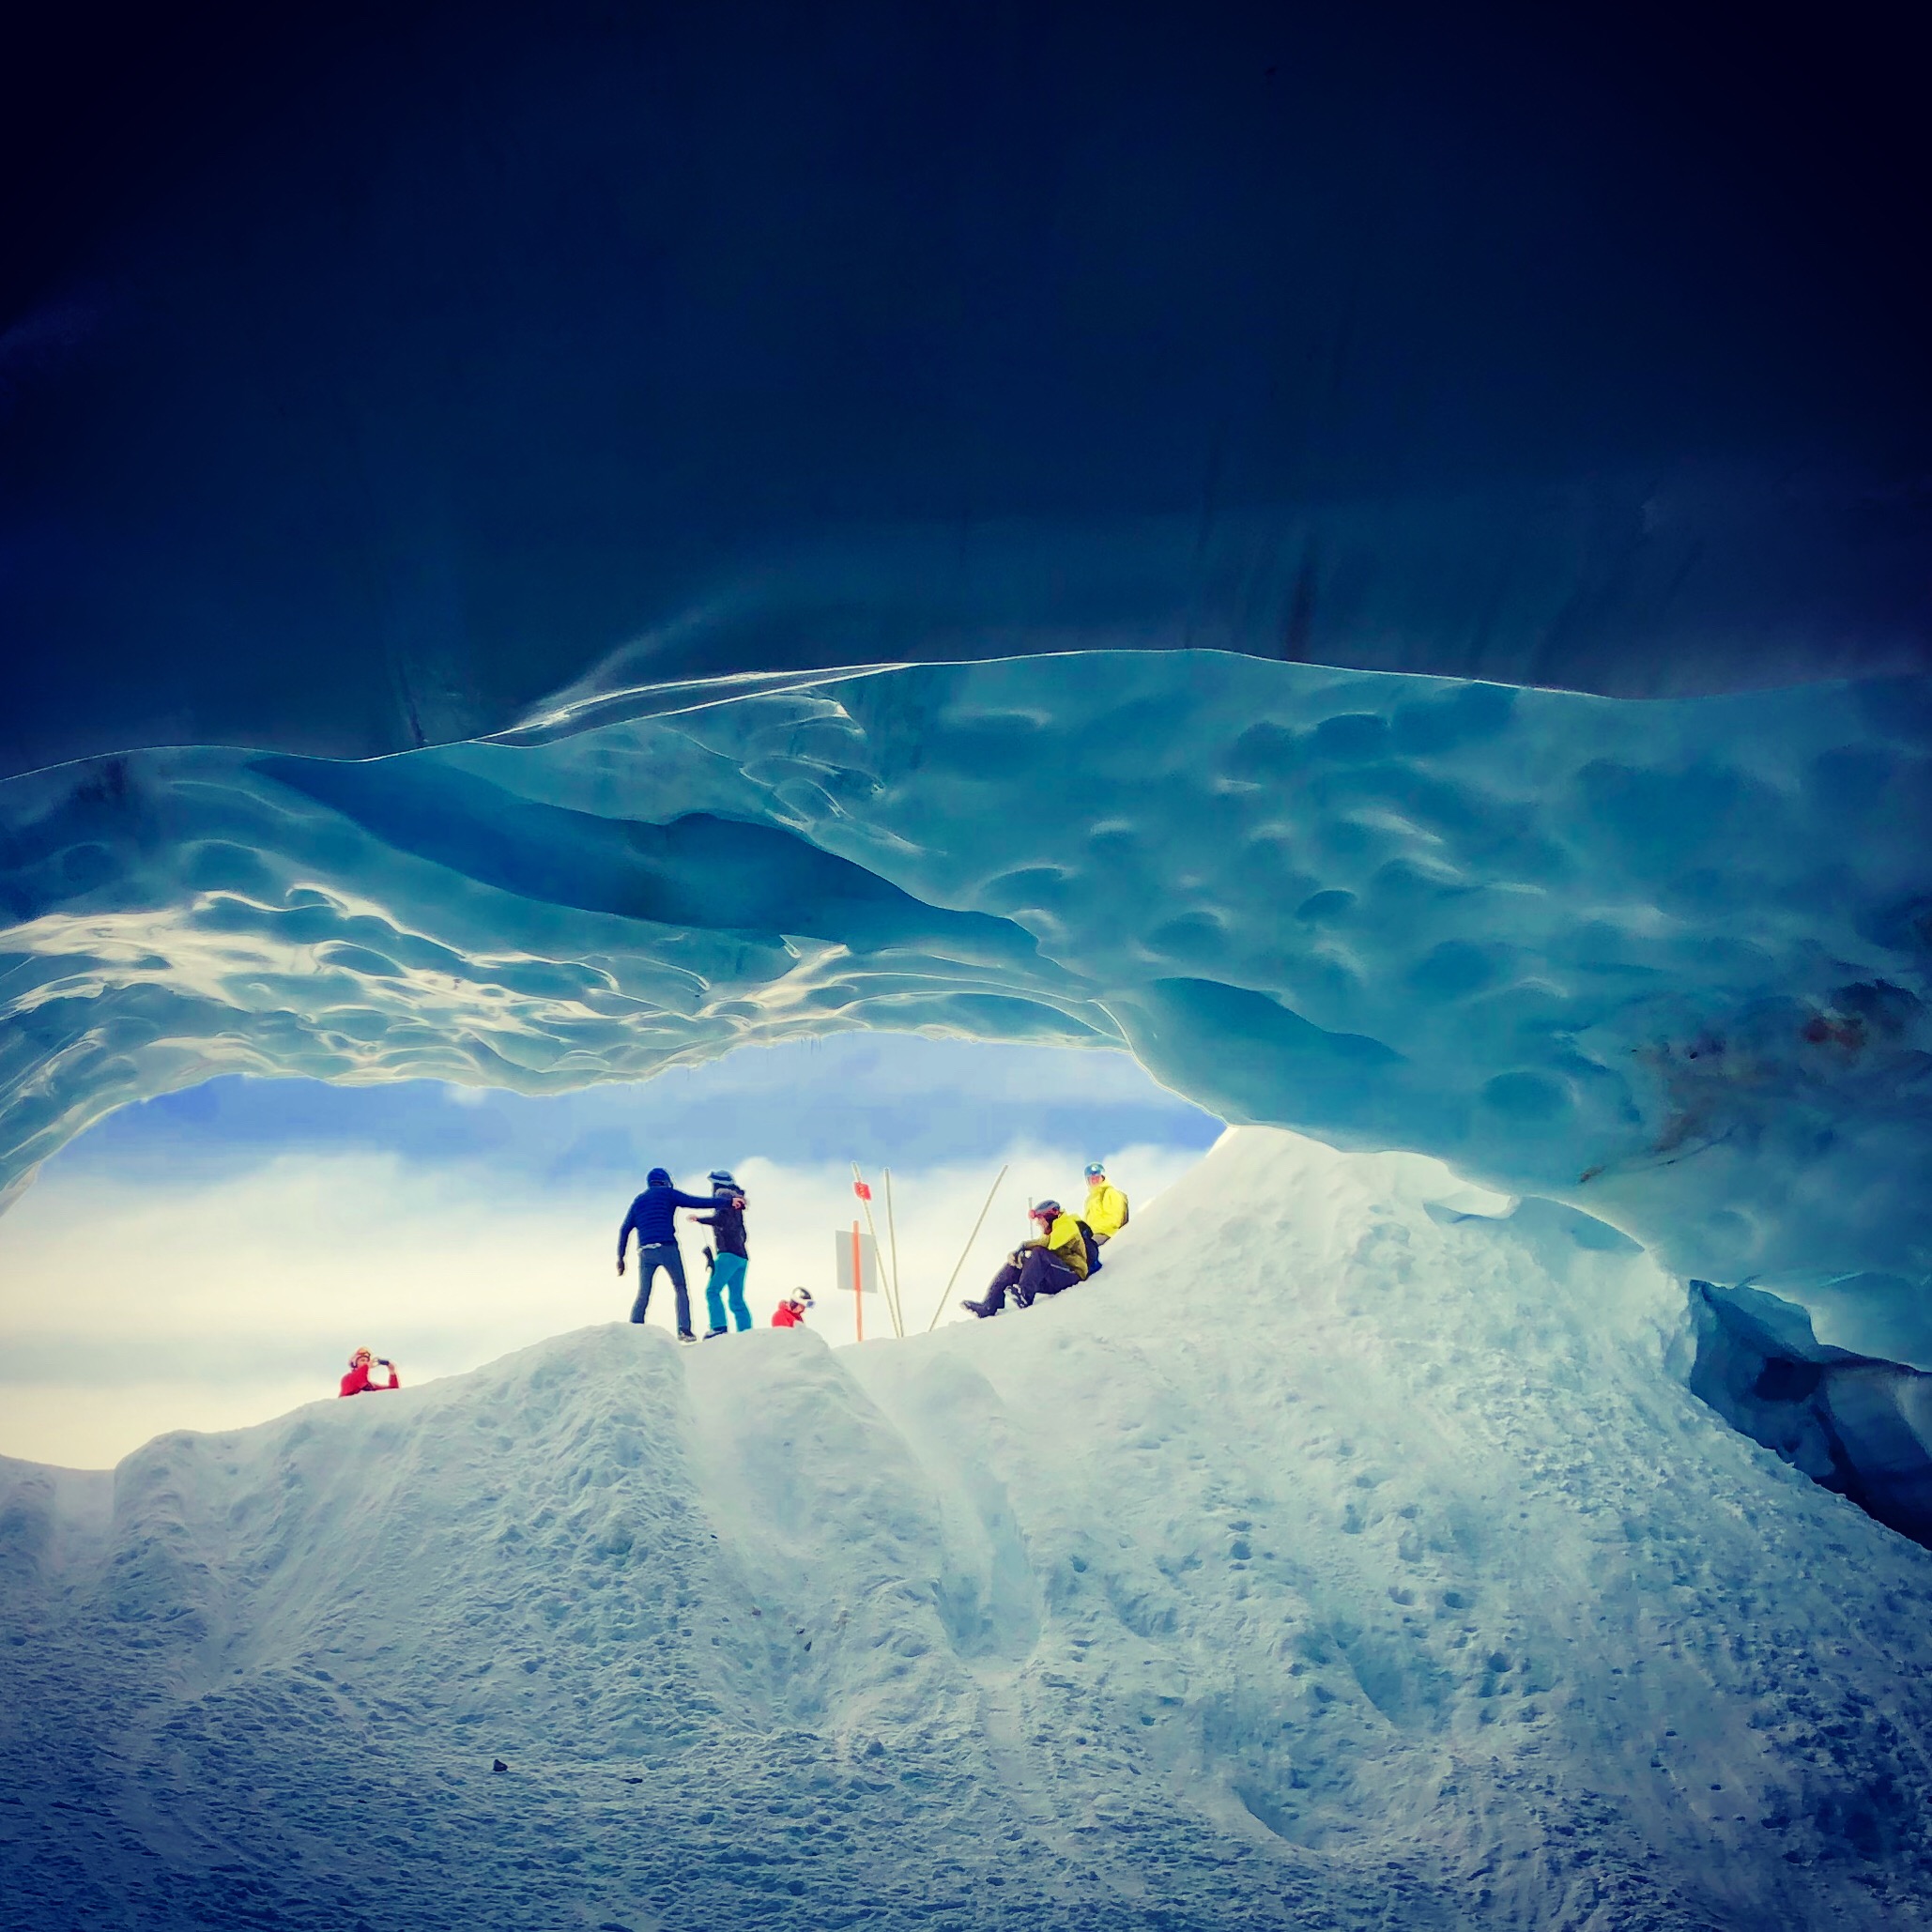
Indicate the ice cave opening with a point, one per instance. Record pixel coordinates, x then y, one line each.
1665 962
1474 1641
1377 566
1354 1544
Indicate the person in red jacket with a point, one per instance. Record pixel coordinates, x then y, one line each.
358 1382
791 1313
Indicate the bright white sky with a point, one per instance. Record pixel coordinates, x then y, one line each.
209 1259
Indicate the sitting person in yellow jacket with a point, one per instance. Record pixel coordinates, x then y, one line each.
1054 1259
1106 1211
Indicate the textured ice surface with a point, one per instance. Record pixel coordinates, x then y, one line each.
1327 1560
1667 960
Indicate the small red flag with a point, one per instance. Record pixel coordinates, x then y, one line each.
863 1189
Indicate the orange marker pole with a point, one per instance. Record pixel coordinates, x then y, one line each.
888 1286
858 1286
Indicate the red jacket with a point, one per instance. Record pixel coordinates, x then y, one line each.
357 1381
787 1314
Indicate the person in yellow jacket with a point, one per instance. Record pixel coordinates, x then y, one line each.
1054 1259
1107 1206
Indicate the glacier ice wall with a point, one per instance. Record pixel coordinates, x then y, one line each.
1859 1426
1667 960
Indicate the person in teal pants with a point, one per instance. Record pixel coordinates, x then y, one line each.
726 1284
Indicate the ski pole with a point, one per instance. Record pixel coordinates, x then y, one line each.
892 1236
946 1292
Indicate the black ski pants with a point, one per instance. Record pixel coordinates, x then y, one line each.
665 1255
1038 1273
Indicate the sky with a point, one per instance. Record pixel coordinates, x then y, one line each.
208 1259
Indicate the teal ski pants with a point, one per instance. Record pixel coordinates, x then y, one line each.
727 1280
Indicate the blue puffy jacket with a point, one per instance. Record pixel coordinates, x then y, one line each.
652 1213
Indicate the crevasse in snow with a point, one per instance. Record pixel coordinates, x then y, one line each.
1339 1551
1665 961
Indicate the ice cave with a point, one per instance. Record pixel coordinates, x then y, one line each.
1380 565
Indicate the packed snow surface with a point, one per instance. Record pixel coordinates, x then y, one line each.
1340 1555
1667 960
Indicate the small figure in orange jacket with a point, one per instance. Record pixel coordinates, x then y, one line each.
790 1312
358 1382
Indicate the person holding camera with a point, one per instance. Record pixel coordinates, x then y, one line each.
358 1381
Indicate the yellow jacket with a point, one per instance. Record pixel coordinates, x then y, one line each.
1106 1209
1065 1243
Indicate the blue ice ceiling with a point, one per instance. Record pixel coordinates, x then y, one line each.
1667 960
986 522
370 378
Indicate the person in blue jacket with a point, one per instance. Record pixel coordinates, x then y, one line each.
653 1215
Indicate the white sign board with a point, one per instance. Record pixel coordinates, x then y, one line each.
842 1253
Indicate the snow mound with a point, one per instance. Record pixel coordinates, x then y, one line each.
1670 962
1337 1557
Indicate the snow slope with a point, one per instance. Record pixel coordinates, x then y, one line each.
1341 1556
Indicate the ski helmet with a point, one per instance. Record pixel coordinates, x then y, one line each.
1094 1170
721 1178
1045 1211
